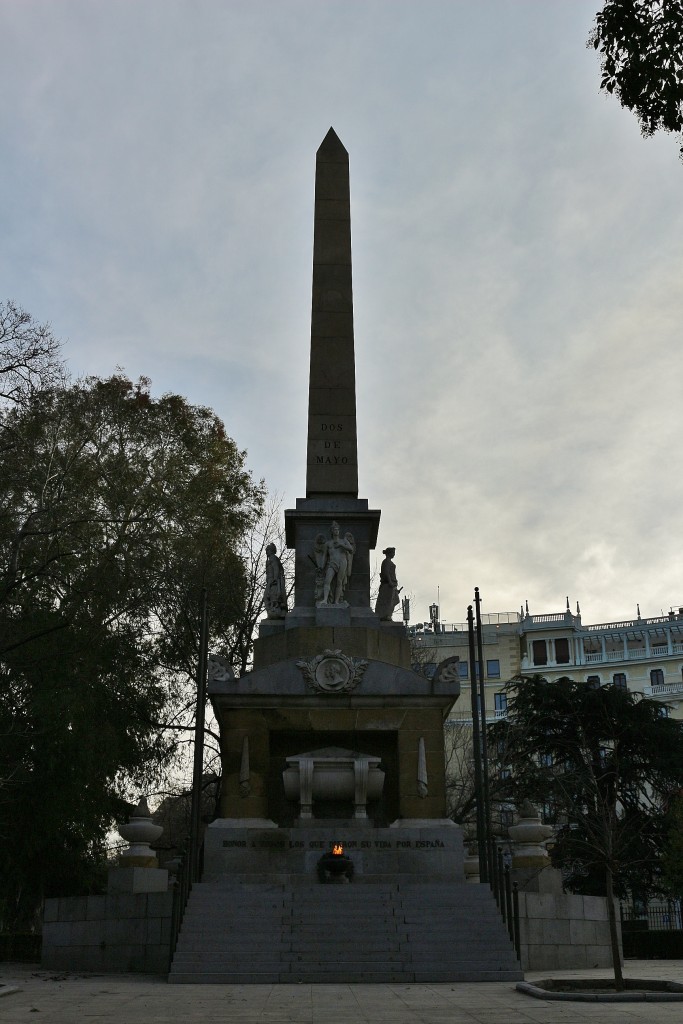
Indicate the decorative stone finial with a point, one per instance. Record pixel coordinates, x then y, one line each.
139 832
245 770
219 669
422 780
528 836
527 810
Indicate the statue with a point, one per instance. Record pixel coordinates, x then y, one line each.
275 597
334 560
387 599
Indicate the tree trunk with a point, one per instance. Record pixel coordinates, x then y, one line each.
613 933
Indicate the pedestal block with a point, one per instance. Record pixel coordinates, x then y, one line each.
419 852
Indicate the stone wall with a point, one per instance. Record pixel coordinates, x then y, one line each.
117 932
561 932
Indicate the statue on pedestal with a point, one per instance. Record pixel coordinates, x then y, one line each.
387 599
334 561
275 598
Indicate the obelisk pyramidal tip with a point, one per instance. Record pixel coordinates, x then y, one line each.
332 145
332 460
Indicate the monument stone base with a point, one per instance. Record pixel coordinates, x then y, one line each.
418 851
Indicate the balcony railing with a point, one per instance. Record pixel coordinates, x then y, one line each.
487 619
664 690
597 656
491 715
634 654
657 620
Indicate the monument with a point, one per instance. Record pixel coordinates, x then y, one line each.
333 858
332 692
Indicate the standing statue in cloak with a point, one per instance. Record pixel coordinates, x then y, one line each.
387 599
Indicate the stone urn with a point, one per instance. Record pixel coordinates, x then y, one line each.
529 836
139 832
333 773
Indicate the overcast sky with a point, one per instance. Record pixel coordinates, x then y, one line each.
517 248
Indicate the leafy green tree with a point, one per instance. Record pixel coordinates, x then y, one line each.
608 760
672 854
641 53
115 510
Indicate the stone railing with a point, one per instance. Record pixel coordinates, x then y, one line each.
665 690
634 654
634 623
465 719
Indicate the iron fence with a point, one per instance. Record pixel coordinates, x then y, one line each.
653 917
505 893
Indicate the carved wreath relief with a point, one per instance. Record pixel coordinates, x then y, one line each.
333 672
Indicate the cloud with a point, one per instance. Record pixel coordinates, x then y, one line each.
517 264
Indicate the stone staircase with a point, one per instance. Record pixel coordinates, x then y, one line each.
248 932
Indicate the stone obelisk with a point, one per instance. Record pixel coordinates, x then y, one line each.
331 500
332 463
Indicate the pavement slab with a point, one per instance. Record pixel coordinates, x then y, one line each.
48 997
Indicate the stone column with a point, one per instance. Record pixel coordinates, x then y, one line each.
361 771
306 787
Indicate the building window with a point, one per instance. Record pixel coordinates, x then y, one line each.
493 668
462 669
593 682
500 701
506 817
545 760
548 813
656 677
430 670
540 652
619 680
664 711
562 650
505 773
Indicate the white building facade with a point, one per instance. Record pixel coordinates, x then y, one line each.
643 655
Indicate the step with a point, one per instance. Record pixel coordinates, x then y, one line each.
188 957
268 932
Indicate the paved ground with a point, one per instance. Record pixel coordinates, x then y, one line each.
46 997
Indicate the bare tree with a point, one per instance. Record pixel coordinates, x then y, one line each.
235 645
29 356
